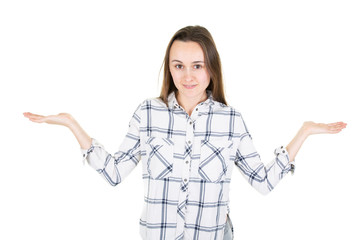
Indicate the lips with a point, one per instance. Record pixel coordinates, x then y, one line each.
189 86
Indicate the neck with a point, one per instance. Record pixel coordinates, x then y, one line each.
188 104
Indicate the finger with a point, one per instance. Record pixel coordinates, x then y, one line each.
27 114
36 115
31 115
37 119
335 124
338 126
336 129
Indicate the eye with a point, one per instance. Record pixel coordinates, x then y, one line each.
179 66
197 66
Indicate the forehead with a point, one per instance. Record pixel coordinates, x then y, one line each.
186 51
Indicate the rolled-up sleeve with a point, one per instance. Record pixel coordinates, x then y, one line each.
262 178
115 167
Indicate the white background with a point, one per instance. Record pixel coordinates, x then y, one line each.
284 62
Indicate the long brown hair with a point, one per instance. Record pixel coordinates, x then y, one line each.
203 37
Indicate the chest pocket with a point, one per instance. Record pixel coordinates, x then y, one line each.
160 153
214 159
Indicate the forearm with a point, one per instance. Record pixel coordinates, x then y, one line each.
82 137
294 146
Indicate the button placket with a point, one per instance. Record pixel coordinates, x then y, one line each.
189 141
185 178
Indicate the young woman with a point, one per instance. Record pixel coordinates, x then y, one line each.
189 141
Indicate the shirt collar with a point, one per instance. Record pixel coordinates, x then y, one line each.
173 103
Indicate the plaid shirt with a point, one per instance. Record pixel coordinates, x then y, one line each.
187 163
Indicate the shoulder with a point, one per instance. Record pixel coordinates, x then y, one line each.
152 104
156 101
148 104
218 106
233 113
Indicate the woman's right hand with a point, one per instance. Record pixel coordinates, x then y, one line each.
64 119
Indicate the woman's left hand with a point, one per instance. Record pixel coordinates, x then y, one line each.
317 128
309 128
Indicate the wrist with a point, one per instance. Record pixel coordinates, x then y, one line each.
72 124
304 131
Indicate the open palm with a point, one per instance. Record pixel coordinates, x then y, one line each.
59 119
317 128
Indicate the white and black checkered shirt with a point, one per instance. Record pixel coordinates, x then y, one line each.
187 163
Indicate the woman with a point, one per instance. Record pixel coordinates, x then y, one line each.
189 140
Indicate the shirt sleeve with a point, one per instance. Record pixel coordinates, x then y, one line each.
262 178
114 168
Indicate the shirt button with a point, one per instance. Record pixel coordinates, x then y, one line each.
187 162
190 122
196 109
189 142
185 180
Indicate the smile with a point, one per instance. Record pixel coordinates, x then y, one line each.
189 86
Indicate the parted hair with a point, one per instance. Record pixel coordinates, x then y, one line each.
203 37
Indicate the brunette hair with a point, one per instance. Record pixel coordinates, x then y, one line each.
203 37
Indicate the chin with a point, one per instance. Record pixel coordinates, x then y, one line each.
191 92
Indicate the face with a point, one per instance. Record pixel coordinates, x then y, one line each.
188 70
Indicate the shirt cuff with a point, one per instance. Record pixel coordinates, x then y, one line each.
86 152
283 157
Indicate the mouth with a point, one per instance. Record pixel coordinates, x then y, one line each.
189 86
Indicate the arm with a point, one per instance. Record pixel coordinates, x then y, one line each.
310 128
114 168
265 178
66 120
81 136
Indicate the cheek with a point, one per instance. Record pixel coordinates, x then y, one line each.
175 76
205 78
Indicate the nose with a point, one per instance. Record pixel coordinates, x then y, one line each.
188 75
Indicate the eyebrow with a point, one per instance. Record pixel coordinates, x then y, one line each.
175 60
